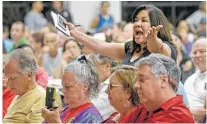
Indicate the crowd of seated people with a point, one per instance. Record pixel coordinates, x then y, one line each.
143 71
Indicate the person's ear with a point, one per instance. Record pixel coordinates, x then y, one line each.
85 87
30 76
107 66
128 94
164 82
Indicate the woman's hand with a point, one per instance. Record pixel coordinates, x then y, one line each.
67 56
155 44
51 116
71 28
152 33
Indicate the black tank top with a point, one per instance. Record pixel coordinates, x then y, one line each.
129 54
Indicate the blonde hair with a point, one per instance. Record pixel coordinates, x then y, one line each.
126 75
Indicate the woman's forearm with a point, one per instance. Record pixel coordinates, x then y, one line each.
113 50
157 46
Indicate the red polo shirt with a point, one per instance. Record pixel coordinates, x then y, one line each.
171 111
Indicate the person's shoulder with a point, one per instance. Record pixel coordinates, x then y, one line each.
30 13
127 46
91 110
190 79
90 115
175 115
178 113
28 16
194 14
40 91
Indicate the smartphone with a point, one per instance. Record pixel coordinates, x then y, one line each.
50 96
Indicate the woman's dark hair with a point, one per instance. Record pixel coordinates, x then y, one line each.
157 17
71 39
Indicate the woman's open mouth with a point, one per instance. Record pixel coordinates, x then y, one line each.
138 33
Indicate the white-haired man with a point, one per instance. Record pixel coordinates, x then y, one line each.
156 84
20 70
196 84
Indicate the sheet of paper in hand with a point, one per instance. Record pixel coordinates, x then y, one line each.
59 24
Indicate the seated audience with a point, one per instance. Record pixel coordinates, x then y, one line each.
156 83
42 76
194 19
196 84
57 7
103 65
18 34
183 59
103 19
34 19
7 93
48 28
37 44
71 50
80 83
117 32
122 95
187 37
128 32
52 59
202 28
26 106
7 43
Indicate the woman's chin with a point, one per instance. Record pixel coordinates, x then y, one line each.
139 41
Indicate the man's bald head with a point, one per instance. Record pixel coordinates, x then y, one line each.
50 37
199 54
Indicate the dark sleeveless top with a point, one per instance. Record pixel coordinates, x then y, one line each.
129 54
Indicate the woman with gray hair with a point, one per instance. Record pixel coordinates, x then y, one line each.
80 83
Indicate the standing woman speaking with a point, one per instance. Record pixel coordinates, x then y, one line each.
151 35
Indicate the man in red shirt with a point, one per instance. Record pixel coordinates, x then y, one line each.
156 84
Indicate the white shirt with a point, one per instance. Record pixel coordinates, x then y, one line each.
195 87
102 102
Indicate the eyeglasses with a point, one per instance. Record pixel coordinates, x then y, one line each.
113 85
